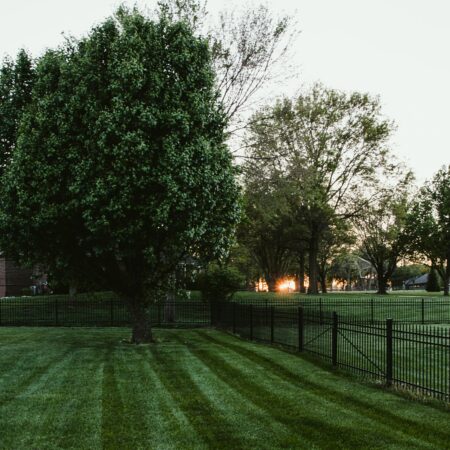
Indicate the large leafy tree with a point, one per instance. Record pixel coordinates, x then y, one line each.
428 226
331 147
120 169
381 230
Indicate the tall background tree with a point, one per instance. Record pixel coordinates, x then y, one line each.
250 46
381 229
332 149
428 225
120 168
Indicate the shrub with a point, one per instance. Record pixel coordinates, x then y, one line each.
219 283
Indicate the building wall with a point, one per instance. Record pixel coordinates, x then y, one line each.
13 278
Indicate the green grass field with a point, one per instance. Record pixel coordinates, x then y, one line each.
87 389
421 363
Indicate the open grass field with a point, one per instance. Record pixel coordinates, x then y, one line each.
87 389
421 357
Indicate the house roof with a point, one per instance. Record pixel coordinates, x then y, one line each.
421 279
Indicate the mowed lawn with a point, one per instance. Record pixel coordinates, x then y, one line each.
88 389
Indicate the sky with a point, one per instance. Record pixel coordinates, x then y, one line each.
395 49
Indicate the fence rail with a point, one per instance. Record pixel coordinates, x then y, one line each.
409 355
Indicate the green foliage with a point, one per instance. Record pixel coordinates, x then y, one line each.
428 224
219 283
322 152
26 291
16 83
336 241
403 273
346 268
121 167
265 230
382 232
242 260
433 282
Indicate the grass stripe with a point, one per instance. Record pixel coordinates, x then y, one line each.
211 427
413 428
303 426
199 389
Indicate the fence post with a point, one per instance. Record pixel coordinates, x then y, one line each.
334 339
448 344
251 322
111 307
371 311
301 329
388 352
320 312
56 311
271 323
423 311
234 318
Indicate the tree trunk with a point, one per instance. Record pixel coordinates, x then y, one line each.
447 278
141 325
381 283
271 283
301 277
323 284
312 254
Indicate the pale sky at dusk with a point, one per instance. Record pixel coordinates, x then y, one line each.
396 49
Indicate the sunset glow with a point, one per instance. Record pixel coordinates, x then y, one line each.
286 285
261 286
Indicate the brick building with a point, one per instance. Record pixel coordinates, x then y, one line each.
13 279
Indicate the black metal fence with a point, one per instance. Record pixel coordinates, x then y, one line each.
409 355
402 309
92 311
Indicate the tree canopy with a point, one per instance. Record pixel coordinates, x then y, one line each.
330 148
120 169
381 231
428 224
16 83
